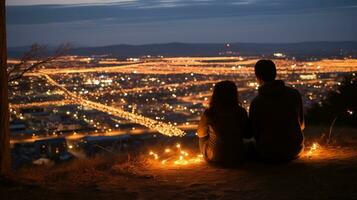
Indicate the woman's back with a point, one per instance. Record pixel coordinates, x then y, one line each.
224 129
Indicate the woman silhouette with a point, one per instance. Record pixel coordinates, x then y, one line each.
223 126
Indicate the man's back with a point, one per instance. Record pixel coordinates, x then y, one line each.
277 118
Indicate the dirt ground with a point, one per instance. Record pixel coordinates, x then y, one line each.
330 172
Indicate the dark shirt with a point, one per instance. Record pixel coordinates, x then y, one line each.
277 119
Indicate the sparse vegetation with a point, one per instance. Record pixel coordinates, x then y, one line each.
340 103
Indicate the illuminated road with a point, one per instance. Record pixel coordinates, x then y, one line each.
161 127
165 66
161 87
40 104
210 66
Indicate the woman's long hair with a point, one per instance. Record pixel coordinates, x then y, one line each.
225 96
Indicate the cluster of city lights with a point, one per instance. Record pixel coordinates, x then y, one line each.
170 92
161 127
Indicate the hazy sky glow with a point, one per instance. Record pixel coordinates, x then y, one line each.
105 22
63 2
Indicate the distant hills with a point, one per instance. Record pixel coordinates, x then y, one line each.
299 50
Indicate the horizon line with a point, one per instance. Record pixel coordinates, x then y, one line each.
177 42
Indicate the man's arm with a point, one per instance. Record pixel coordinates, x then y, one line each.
247 129
253 119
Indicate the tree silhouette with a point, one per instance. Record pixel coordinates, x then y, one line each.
340 103
9 73
4 101
34 58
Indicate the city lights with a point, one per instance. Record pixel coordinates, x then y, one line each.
165 95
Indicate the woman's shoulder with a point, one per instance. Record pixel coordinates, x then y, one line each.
207 112
241 110
235 111
212 114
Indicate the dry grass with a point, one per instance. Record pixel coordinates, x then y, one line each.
81 172
329 174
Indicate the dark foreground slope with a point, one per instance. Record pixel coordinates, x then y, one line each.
329 173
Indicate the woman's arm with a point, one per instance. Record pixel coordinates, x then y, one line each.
301 114
202 130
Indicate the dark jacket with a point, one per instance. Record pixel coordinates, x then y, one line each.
221 134
277 119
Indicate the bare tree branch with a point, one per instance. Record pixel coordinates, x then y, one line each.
35 51
37 54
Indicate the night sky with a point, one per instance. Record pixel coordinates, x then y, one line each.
108 22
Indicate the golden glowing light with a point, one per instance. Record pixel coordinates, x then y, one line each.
313 149
161 127
119 88
176 157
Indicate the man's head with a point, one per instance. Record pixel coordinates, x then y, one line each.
265 71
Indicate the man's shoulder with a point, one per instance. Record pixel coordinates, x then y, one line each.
292 91
256 100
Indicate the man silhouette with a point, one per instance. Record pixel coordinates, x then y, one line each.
276 115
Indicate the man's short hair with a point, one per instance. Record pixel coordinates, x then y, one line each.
265 70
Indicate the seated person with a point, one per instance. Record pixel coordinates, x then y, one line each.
223 126
277 116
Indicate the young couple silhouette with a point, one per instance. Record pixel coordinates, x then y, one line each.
275 122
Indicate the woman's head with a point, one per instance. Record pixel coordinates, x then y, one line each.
225 95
